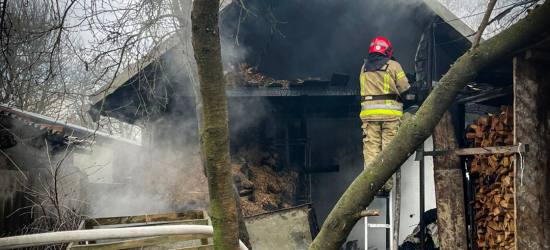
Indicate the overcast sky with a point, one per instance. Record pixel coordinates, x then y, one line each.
472 11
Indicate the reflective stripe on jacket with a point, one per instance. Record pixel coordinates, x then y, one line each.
389 79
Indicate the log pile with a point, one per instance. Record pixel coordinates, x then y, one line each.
494 181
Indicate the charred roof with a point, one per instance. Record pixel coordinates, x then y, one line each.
320 43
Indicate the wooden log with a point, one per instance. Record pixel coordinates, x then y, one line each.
494 198
367 213
449 188
145 218
478 151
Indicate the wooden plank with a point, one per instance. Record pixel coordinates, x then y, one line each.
205 215
487 95
532 197
88 224
178 222
143 242
448 182
145 218
480 150
204 241
56 128
207 247
80 227
541 55
514 223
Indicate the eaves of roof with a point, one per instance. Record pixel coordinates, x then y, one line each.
440 10
66 129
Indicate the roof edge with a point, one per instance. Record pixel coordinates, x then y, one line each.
450 19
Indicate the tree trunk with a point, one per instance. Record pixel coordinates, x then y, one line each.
418 128
206 46
449 189
180 8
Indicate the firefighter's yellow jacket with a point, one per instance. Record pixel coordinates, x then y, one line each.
389 79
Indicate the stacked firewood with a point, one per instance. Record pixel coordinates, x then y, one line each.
494 181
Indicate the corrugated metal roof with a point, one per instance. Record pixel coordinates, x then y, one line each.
57 126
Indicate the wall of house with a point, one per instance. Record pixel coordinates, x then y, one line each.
410 191
41 155
12 183
96 162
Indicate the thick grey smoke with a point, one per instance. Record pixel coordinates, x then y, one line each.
317 38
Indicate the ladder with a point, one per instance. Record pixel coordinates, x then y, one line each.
389 221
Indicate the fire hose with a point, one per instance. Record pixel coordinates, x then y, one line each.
105 234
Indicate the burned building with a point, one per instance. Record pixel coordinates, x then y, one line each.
292 87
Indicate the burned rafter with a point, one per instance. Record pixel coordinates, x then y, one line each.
248 76
487 95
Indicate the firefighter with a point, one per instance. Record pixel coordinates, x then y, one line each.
382 84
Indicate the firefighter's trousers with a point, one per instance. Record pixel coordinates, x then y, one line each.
377 134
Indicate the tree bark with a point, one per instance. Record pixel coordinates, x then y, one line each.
449 189
484 23
207 49
418 128
178 7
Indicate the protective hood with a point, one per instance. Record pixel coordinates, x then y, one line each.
375 61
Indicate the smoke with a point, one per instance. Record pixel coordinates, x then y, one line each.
303 38
298 39
317 38
165 174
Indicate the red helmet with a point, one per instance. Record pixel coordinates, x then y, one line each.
381 45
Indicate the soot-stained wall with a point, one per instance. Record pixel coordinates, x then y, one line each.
316 38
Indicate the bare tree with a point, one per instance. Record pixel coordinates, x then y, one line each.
56 190
41 69
33 58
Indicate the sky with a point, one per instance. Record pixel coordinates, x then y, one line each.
471 13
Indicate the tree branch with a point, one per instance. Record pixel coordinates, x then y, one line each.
483 24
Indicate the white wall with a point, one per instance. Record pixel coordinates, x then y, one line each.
410 191
97 163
